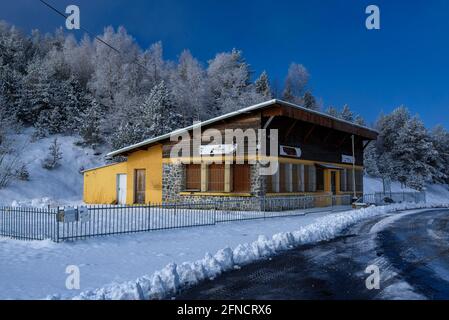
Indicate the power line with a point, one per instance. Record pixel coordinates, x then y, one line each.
91 34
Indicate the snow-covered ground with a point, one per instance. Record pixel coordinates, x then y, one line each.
434 192
33 270
63 185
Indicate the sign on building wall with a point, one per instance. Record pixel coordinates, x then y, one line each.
217 149
290 151
347 159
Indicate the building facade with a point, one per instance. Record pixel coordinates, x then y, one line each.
314 154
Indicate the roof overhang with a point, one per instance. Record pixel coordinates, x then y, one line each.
292 110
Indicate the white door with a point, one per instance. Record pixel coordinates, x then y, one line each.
121 188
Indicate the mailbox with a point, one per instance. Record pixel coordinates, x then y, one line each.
83 214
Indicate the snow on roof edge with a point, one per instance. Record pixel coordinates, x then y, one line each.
226 116
100 167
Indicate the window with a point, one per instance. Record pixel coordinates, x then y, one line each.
241 178
343 183
139 186
349 182
309 178
359 180
295 178
269 183
283 178
193 177
320 179
216 177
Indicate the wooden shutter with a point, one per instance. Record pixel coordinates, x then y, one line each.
241 178
216 177
139 186
193 177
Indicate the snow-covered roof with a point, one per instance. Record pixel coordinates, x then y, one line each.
226 116
101 167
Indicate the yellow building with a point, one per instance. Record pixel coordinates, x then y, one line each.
317 154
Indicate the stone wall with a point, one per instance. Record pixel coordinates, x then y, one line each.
173 180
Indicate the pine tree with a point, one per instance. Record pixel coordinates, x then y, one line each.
262 85
371 159
332 111
389 127
158 113
413 155
54 156
309 101
295 84
126 134
346 114
359 120
440 140
228 83
90 128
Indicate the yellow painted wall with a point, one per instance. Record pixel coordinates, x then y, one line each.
100 185
151 161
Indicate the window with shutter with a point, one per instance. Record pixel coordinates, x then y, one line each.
193 177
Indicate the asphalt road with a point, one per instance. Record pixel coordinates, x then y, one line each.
412 254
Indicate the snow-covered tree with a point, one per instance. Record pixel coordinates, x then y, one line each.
229 86
111 79
295 83
262 86
414 154
359 120
332 111
54 156
346 114
371 159
158 114
188 85
90 127
310 101
440 140
127 133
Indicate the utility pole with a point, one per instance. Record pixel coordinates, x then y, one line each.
354 198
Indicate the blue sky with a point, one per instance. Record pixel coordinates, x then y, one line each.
406 62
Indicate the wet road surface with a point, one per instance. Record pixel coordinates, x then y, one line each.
412 254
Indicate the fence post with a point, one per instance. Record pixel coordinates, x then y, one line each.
57 225
264 206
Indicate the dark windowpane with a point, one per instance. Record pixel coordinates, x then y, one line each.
306 178
295 177
282 177
319 179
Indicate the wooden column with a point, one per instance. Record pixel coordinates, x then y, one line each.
204 177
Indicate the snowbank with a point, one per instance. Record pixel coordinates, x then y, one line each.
173 277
